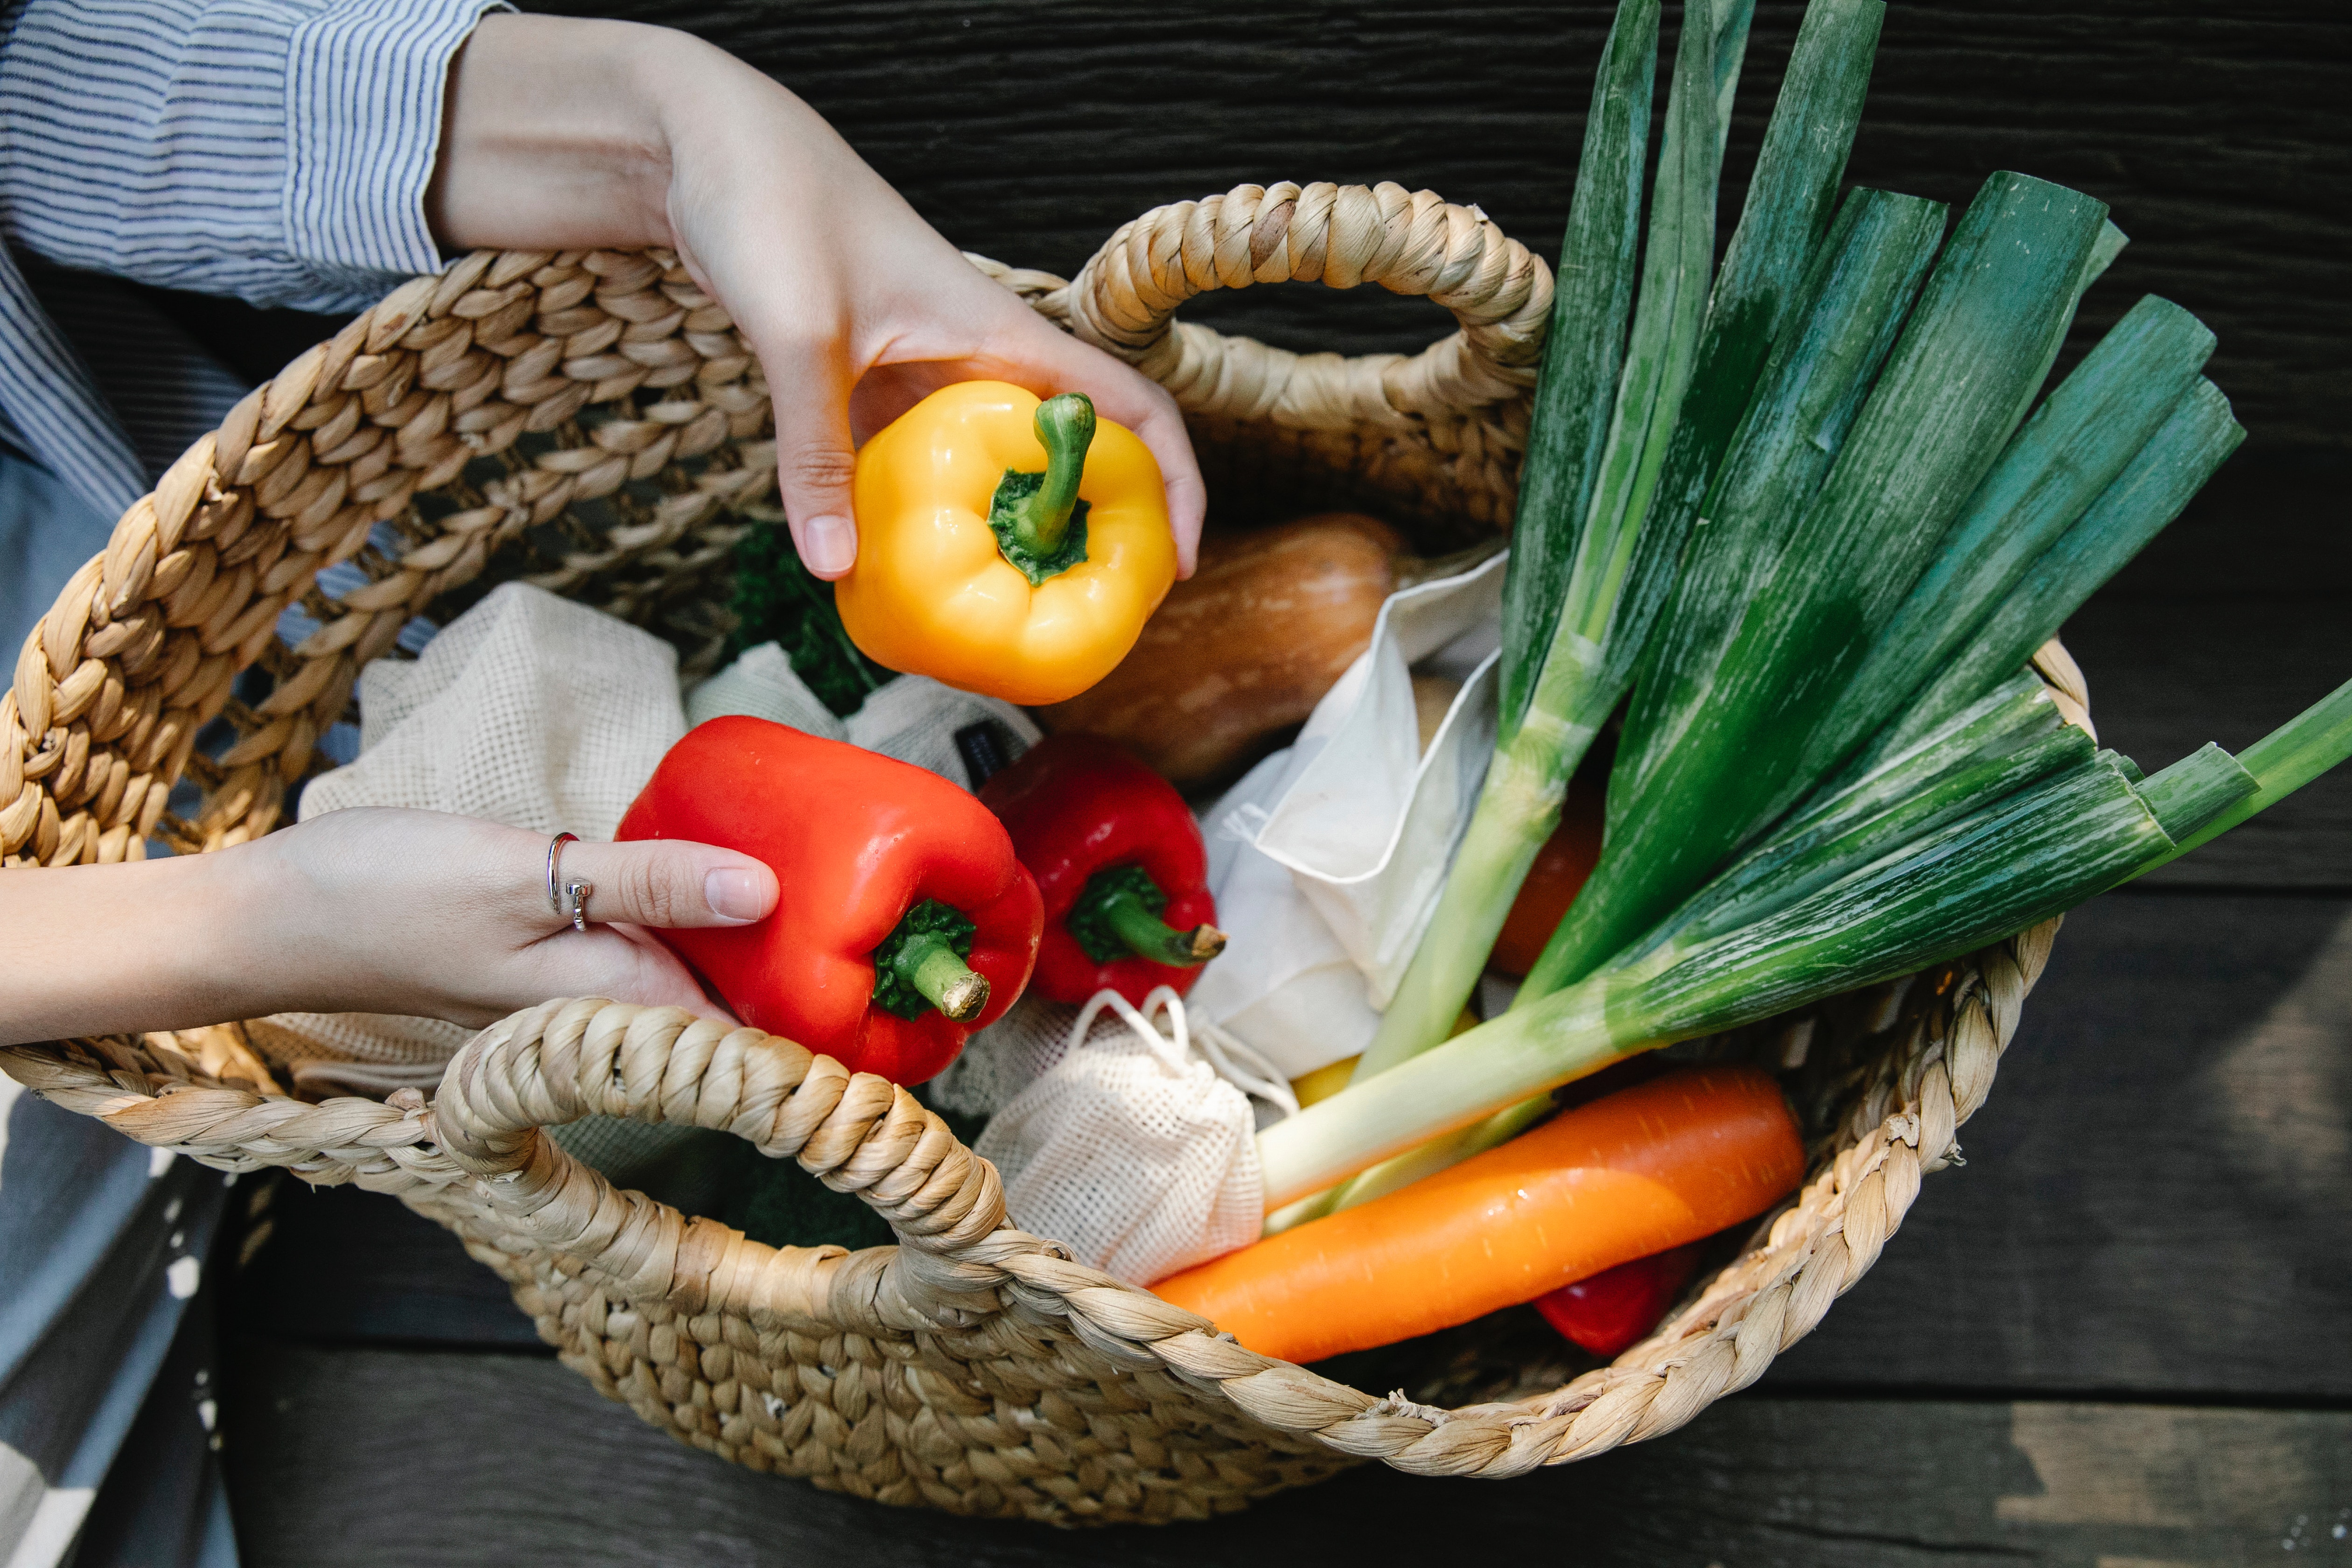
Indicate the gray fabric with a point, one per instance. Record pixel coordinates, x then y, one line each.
46 531
102 1241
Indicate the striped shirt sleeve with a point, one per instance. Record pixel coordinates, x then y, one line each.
50 407
275 150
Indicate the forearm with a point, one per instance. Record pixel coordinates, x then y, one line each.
368 911
552 137
123 949
561 132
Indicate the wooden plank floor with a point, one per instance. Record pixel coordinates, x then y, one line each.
422 1459
2117 1338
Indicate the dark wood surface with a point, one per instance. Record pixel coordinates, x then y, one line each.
372 1458
2116 1338
1029 130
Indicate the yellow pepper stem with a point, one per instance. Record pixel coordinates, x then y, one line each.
1033 513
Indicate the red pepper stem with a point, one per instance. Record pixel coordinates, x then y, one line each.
929 965
1148 936
1065 425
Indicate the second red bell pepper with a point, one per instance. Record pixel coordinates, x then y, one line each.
1119 863
906 921
1611 1312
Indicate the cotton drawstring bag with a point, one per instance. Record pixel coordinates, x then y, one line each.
528 709
1136 1155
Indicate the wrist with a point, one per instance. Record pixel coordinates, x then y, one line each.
123 949
222 940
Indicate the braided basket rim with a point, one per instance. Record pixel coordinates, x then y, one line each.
144 645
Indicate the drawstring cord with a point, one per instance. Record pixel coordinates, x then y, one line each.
1230 1059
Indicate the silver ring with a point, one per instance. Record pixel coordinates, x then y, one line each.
567 897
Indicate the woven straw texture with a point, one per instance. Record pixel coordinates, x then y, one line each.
592 423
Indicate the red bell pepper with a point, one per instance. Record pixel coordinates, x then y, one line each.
1120 863
906 922
1613 1311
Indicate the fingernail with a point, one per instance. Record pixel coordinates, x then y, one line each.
829 545
737 897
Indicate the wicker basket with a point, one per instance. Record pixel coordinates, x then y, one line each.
592 421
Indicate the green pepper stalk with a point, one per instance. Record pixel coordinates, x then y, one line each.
920 966
1038 518
1119 914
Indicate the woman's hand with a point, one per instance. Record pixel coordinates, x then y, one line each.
563 133
367 910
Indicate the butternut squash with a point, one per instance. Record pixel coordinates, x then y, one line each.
1247 645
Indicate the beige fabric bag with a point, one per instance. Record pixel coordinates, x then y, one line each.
1133 1152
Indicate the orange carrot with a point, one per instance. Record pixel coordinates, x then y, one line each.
1650 1167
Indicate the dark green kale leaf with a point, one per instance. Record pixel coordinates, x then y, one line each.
777 600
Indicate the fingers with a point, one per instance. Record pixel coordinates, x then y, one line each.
670 884
816 459
621 963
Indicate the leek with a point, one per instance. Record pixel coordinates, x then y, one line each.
2022 859
2282 763
2159 481
2013 739
2073 448
1542 739
1662 449
1974 350
1592 297
1859 287
2195 790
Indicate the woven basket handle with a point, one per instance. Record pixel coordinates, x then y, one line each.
857 1132
1408 242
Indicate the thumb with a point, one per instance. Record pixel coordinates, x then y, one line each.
815 458
671 883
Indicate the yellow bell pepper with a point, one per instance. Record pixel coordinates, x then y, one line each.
1005 546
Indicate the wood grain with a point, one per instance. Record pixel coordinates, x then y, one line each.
2153 1198
349 1266
1030 128
418 1460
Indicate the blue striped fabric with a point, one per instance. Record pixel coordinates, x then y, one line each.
161 385
49 407
275 150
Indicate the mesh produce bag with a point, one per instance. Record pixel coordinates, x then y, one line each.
1137 1156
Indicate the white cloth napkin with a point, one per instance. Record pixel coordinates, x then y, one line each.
1327 859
